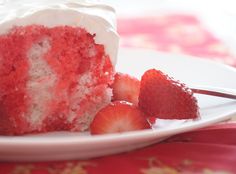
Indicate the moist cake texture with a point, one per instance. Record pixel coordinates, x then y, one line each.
55 77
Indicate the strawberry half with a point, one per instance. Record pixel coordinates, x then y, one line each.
126 88
166 98
118 116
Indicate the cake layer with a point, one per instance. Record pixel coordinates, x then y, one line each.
96 18
52 78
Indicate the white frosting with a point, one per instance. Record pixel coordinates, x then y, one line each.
96 18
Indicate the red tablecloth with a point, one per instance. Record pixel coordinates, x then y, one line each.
206 151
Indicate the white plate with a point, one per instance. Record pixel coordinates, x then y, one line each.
64 145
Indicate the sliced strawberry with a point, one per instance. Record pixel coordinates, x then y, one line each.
119 116
166 98
126 88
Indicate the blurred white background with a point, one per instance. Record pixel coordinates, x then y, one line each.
218 15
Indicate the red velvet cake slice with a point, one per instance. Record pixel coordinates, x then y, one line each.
56 64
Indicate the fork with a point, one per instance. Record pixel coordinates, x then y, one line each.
215 91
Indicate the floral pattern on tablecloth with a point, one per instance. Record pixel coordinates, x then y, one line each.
153 166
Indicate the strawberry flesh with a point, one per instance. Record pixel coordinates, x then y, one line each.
119 116
126 88
163 97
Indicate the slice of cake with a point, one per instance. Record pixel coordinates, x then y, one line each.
56 64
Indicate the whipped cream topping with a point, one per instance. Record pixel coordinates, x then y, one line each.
95 18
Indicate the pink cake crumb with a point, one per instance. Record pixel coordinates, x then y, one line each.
51 79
